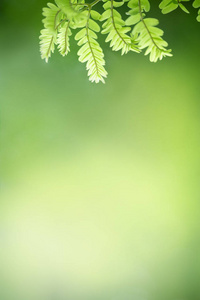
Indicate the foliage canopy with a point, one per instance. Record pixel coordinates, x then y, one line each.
136 33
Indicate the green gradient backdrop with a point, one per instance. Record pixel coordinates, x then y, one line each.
99 183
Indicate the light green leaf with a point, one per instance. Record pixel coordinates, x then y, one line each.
94 26
80 34
196 4
169 8
95 15
184 8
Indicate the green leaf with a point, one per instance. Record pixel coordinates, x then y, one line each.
66 7
146 33
132 20
80 34
48 35
146 5
116 29
118 4
94 26
91 52
169 8
196 4
107 5
106 14
95 15
63 39
164 3
184 8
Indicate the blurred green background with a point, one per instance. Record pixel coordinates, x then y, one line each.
99 183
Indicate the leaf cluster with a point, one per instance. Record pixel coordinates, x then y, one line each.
90 50
116 29
168 6
145 32
138 32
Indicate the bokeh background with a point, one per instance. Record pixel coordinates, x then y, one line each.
99 183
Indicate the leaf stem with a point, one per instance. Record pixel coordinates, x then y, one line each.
60 23
94 3
55 20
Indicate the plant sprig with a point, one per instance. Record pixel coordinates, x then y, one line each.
136 33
